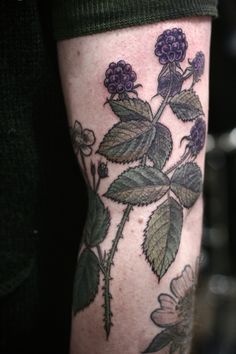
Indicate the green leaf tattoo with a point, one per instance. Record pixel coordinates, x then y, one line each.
139 186
162 235
86 280
131 109
141 137
186 105
186 183
161 147
98 220
127 141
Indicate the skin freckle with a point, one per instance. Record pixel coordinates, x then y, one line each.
140 220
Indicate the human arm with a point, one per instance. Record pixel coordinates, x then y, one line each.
144 223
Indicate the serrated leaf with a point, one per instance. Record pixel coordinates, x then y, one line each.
186 183
159 342
131 109
141 185
186 105
161 147
86 280
162 236
97 222
127 141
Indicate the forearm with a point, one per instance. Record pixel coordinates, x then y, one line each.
143 230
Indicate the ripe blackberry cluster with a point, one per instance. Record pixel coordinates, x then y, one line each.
197 65
120 78
176 81
197 137
171 46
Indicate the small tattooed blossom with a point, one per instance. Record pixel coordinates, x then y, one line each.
171 46
175 314
82 139
120 78
102 170
170 83
197 66
196 139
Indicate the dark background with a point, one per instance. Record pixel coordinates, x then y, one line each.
63 204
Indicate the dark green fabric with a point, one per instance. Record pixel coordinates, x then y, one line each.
21 64
82 17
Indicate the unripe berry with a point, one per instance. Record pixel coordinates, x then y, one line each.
102 170
173 79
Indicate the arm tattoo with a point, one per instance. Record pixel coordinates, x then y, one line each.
175 314
141 135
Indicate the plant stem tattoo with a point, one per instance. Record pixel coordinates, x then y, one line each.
175 314
141 136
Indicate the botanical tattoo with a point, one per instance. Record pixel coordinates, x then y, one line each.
175 315
140 135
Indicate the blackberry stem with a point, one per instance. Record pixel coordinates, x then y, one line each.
164 102
109 263
178 163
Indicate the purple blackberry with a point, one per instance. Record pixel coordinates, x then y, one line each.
171 46
120 78
102 170
196 138
197 66
176 81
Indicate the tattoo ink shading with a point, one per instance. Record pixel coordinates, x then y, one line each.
175 315
139 136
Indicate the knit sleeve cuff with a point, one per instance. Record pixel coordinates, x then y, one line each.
73 18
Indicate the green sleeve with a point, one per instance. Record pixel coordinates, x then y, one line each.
72 18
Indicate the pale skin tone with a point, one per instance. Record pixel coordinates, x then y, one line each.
134 287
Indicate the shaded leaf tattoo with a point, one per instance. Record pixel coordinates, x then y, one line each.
97 222
131 109
139 137
139 186
162 235
127 141
86 280
186 105
161 147
175 314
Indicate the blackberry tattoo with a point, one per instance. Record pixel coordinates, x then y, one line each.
120 79
140 135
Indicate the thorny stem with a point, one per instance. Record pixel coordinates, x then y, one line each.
161 108
178 163
109 263
163 104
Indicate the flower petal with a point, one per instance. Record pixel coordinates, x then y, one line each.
180 285
77 128
86 150
166 316
88 137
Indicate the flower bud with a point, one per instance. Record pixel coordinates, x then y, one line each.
102 170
